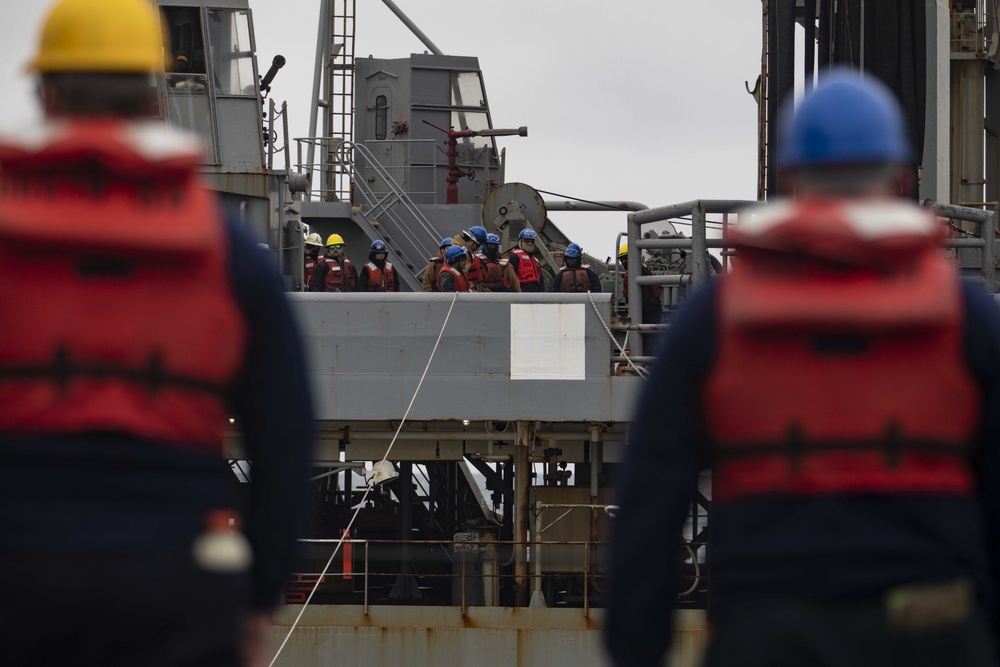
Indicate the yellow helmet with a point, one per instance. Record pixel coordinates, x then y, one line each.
334 239
101 36
623 251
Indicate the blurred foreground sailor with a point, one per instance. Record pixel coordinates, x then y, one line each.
843 384
120 540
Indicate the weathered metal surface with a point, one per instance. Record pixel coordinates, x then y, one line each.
438 636
367 353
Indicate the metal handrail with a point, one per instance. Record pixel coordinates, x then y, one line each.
534 547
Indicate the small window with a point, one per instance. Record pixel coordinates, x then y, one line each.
381 117
232 51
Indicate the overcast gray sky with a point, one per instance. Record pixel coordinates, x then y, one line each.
637 100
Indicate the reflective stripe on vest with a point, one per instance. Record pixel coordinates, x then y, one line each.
834 378
380 280
135 330
528 268
338 275
493 276
307 272
461 282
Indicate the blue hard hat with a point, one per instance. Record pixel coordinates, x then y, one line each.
454 251
845 120
379 246
479 233
573 250
527 234
445 242
493 238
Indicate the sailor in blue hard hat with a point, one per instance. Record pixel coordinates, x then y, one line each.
843 385
846 138
434 265
378 275
575 276
498 274
452 278
526 265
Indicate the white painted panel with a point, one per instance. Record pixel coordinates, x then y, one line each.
547 341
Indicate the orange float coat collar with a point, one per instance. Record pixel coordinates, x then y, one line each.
840 366
136 329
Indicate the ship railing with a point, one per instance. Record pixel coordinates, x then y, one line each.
398 166
475 576
985 227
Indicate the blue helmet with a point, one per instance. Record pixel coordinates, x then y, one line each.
492 238
479 233
379 246
527 234
455 251
573 250
845 120
445 242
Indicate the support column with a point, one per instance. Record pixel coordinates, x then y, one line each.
524 435
934 179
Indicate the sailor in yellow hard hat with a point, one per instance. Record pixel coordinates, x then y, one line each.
335 273
120 371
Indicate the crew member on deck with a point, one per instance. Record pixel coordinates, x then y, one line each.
313 243
843 384
526 266
575 276
498 274
434 266
452 278
121 541
335 273
471 239
378 275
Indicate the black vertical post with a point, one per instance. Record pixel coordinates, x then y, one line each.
809 22
780 74
825 32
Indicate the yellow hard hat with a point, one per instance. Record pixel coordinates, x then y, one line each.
623 251
334 239
101 36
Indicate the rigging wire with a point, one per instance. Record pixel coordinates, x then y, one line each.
610 207
640 371
368 490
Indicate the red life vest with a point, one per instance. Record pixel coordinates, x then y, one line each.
476 270
108 343
338 275
307 272
840 367
461 282
574 280
381 280
528 268
493 275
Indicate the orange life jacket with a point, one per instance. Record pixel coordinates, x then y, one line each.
528 268
381 280
307 272
339 276
476 270
461 282
493 275
574 280
840 367
109 342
